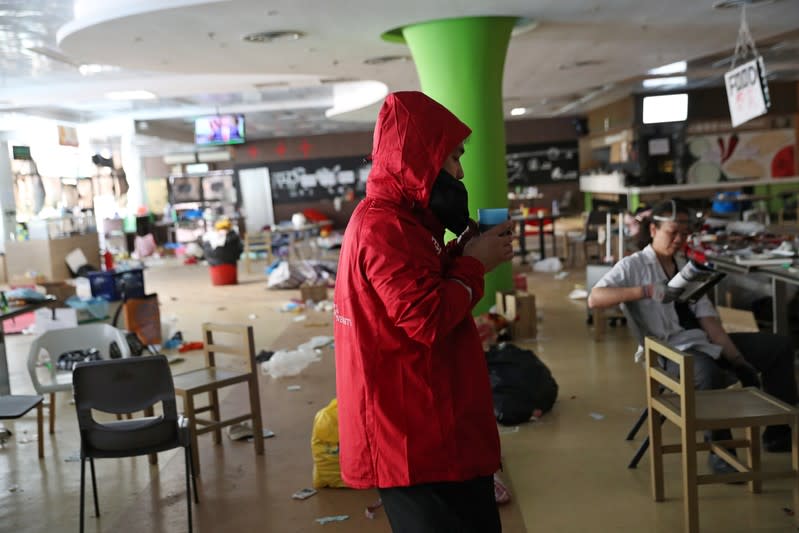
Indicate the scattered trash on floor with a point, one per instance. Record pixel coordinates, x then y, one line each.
578 294
174 341
293 388
264 355
267 434
5 434
513 429
72 458
221 308
303 494
286 363
252 316
501 492
190 346
550 264
300 318
315 324
788 511
240 431
573 398
337 518
563 274
174 359
597 416
15 488
634 409
370 509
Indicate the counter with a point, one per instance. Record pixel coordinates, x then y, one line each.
606 185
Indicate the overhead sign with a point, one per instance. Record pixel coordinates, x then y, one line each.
747 91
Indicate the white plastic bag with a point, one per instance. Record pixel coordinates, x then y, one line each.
550 264
286 363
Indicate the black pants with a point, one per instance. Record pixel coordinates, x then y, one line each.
771 355
452 507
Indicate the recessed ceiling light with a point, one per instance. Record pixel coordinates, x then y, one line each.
665 82
130 95
672 68
272 36
381 60
517 111
93 68
730 4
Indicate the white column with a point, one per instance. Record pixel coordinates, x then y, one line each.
8 208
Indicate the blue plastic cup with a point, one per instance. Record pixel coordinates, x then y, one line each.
490 217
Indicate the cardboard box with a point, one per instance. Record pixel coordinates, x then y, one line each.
315 293
519 308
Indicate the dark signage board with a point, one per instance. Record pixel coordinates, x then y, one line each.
21 152
317 179
541 164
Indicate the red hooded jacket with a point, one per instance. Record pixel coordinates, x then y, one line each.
414 397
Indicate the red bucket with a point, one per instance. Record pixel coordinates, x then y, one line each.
225 274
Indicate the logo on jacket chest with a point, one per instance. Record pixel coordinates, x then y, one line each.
437 245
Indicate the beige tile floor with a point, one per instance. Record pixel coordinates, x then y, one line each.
567 472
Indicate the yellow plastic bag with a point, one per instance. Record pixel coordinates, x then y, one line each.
324 448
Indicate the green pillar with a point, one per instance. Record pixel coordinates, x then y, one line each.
460 63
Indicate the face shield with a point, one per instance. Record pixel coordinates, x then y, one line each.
692 222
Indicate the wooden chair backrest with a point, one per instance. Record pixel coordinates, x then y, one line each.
659 382
243 344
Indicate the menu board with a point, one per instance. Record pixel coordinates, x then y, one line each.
540 164
317 179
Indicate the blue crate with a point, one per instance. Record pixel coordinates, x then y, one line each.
109 284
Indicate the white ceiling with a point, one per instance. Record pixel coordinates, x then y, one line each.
190 53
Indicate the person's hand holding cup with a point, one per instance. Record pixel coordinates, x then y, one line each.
494 245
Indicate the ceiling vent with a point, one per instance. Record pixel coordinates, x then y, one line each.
382 60
732 4
263 37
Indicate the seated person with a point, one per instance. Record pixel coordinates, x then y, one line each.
639 281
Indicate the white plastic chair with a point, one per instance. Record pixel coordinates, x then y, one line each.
55 342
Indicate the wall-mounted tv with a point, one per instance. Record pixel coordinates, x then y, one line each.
219 129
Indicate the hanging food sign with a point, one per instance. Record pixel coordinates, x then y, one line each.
747 91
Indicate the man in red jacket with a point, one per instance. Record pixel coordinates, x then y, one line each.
416 417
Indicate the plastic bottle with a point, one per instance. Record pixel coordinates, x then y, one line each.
108 260
555 208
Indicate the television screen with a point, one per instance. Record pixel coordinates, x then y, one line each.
665 108
219 129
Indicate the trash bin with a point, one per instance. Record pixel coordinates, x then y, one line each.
224 274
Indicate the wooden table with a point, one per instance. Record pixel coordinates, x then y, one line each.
11 312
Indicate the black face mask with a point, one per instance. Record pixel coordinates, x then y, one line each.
449 202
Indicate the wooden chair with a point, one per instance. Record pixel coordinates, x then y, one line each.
210 379
257 243
693 411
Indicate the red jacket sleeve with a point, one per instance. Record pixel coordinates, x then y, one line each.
407 277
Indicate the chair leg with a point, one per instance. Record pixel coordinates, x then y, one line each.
187 455
638 424
690 488
188 405
40 428
149 411
213 398
795 460
193 477
82 489
52 413
753 455
94 488
642 449
656 456
255 408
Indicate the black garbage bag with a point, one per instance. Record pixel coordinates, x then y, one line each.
226 254
520 382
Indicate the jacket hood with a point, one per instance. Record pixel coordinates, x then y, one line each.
413 136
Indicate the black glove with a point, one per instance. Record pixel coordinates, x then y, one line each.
746 374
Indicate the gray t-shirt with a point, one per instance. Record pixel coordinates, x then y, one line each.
657 319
